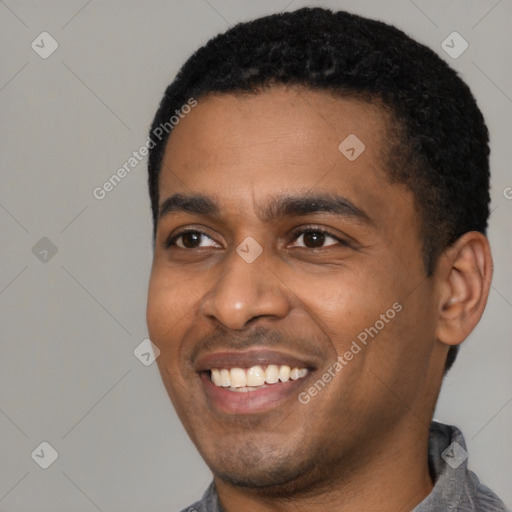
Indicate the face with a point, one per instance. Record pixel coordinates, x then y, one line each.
288 295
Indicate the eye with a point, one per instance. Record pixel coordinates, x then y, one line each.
191 240
315 238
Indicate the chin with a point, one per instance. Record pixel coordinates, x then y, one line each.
272 473
274 480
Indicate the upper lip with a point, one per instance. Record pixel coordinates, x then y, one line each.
249 358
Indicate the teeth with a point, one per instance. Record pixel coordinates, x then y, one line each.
294 374
255 376
239 379
216 379
225 378
284 373
272 374
298 373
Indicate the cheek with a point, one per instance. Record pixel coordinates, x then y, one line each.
400 353
346 302
167 304
162 317
157 304
173 304
368 317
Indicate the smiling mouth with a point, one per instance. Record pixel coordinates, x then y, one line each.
255 377
252 381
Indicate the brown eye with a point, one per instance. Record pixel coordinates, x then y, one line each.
192 240
315 239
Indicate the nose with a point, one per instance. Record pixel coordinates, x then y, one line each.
246 291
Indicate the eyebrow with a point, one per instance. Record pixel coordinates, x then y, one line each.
278 207
195 204
291 205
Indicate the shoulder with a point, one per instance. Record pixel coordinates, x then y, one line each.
208 503
477 497
456 488
196 507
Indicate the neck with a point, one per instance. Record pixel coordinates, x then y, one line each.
391 477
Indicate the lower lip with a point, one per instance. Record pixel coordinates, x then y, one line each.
250 402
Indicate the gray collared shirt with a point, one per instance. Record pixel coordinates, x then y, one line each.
456 489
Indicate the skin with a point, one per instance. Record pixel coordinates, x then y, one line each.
361 442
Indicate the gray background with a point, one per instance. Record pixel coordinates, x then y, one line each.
70 323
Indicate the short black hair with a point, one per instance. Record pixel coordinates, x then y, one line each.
438 143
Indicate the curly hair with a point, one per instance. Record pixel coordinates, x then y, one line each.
438 143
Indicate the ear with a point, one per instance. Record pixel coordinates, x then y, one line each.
464 274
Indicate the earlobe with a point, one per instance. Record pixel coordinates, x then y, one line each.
465 272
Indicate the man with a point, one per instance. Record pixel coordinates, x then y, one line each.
320 191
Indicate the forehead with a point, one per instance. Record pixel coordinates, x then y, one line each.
241 147
278 123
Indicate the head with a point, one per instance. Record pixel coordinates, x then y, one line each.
392 266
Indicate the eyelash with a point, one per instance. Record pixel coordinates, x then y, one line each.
295 235
317 229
